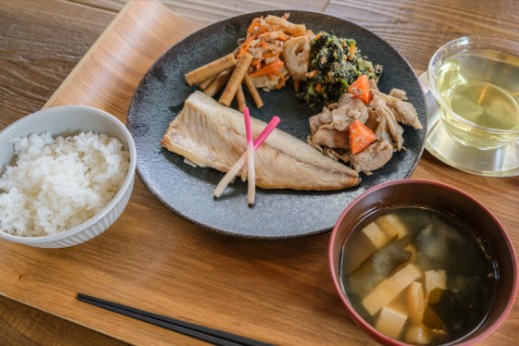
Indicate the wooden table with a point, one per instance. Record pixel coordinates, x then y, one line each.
276 291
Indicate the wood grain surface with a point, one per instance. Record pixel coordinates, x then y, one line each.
276 291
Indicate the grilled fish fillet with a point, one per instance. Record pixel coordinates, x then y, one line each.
210 134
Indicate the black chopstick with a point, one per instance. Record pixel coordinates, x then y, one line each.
210 335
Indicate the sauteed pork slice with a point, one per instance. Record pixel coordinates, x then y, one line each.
384 114
373 157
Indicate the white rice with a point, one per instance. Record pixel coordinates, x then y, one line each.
58 183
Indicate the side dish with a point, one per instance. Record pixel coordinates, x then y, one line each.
363 130
403 271
335 64
58 183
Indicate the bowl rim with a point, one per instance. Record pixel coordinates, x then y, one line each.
128 180
372 331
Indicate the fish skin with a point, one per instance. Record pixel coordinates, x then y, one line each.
212 135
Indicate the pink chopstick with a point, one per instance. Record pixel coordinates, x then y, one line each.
235 169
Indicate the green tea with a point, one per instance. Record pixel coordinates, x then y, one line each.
482 87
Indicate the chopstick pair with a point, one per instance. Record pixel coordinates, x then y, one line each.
210 335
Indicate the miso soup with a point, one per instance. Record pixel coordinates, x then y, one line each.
418 276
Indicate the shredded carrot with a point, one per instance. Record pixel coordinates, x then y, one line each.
262 29
268 69
244 48
270 54
361 137
318 87
253 25
360 88
281 82
282 36
264 41
255 63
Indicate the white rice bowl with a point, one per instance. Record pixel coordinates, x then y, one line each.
58 183
43 198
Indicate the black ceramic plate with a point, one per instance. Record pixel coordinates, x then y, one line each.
277 213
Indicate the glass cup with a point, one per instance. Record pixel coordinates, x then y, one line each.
475 81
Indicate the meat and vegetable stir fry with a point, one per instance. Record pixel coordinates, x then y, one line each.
379 121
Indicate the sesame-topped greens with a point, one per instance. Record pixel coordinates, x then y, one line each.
335 63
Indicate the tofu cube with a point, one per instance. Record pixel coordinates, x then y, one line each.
390 288
369 239
391 225
391 322
375 235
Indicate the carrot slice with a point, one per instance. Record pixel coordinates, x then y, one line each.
360 88
268 69
361 137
